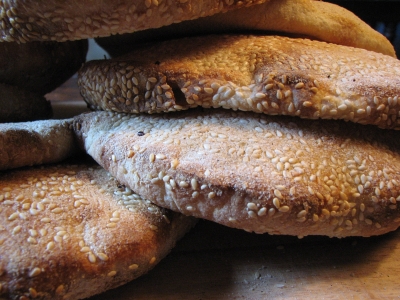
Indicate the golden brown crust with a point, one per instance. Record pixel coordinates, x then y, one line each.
308 18
40 66
70 20
280 175
35 143
269 74
71 231
19 105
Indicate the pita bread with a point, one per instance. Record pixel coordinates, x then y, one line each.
277 175
318 20
265 74
35 143
24 21
71 231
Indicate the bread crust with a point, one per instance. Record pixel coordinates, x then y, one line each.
88 237
35 143
306 18
268 74
277 175
56 20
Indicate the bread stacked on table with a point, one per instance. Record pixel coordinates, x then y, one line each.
274 117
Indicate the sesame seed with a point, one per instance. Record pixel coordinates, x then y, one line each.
60 289
111 273
278 194
91 257
194 184
368 221
284 208
50 246
251 206
133 267
269 86
160 156
276 203
102 256
152 157
16 229
35 272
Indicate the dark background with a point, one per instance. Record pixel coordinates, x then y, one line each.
383 15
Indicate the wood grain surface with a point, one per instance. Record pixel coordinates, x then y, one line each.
217 262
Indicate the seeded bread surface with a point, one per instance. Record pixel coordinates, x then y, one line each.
71 20
72 231
265 74
277 175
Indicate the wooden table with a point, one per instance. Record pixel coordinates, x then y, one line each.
216 262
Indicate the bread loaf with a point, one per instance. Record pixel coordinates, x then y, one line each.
277 175
72 231
318 20
24 21
35 143
265 74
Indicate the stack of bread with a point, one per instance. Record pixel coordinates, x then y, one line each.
276 117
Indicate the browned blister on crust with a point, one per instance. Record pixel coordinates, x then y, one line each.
35 143
23 21
278 175
72 231
268 74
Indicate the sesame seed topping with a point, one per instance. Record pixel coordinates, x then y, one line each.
133 267
35 272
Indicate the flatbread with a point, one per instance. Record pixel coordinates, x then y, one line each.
265 74
35 143
259 173
24 21
318 20
72 231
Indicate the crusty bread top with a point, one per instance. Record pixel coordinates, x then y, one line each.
281 175
35 143
55 20
269 74
308 18
72 231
